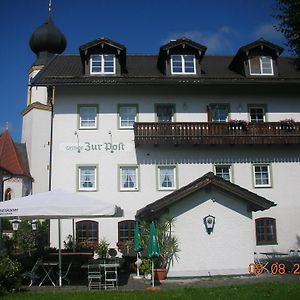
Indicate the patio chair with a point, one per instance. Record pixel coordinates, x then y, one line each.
33 275
110 276
94 276
263 262
65 274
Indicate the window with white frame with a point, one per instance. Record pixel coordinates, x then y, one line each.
262 177
261 65
87 178
223 171
165 112
257 114
218 112
127 116
88 116
183 64
166 177
102 64
129 178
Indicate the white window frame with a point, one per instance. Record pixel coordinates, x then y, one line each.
259 185
159 182
102 64
92 188
183 64
120 116
136 183
257 107
95 107
261 66
221 175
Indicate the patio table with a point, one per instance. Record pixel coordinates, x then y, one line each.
48 270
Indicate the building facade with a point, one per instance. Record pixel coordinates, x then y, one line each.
133 129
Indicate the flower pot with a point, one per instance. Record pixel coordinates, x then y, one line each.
160 274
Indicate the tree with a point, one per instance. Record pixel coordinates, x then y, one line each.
288 15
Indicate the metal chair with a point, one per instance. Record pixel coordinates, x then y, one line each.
65 274
94 276
264 262
33 275
110 276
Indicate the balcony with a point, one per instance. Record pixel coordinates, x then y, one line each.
212 133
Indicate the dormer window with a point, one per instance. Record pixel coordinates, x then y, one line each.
102 64
261 65
183 64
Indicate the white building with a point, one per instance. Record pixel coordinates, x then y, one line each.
133 129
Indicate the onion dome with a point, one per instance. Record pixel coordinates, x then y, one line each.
46 41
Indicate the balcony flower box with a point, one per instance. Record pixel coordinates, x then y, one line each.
287 124
237 125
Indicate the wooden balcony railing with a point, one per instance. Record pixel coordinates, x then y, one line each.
212 133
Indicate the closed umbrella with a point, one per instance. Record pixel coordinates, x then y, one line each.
153 247
137 248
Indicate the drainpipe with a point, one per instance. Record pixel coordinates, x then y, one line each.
51 102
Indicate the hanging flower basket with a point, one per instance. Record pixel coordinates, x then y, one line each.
237 125
287 124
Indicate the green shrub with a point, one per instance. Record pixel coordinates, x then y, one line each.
10 275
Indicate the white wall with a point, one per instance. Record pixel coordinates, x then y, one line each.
192 162
227 250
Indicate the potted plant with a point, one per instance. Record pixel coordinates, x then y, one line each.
146 268
101 248
168 245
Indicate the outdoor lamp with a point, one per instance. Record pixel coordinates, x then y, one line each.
34 225
209 222
15 224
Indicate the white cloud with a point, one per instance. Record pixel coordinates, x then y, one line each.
219 41
268 32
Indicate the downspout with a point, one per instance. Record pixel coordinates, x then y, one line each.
51 102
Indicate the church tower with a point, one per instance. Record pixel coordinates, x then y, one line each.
46 42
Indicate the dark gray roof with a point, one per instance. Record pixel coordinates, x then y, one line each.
255 202
67 69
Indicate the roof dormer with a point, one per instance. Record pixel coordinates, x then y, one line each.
103 57
257 59
181 57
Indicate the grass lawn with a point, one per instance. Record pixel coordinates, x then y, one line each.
270 290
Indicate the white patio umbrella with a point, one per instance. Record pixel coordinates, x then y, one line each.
56 204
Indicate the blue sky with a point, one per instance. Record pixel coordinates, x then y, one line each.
142 26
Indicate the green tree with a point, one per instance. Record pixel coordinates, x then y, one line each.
288 15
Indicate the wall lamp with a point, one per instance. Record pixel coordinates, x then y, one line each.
209 222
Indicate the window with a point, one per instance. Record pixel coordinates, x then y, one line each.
218 112
126 230
87 176
262 176
128 178
86 231
257 114
127 116
183 64
102 64
88 116
265 231
165 112
261 65
166 177
223 171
